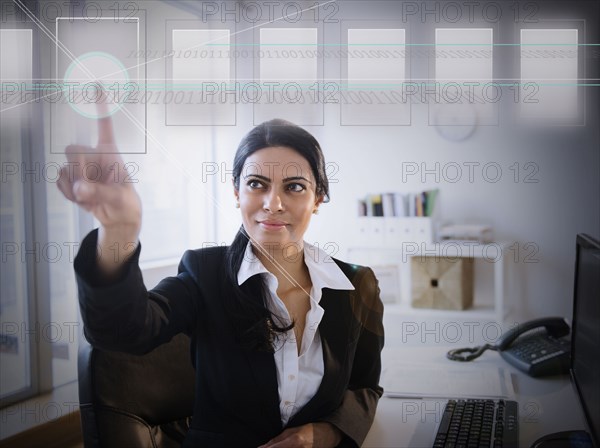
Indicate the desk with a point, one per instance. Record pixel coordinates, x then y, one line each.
546 405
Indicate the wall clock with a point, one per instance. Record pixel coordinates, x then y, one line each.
455 122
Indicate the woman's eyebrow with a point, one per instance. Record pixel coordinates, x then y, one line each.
289 179
258 176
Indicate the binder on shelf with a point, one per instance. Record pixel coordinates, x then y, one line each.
369 205
419 204
377 205
430 199
412 204
362 207
400 205
387 201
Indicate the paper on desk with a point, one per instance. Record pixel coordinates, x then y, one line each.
433 381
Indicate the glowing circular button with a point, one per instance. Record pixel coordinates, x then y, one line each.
83 78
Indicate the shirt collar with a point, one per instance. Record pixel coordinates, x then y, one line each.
324 272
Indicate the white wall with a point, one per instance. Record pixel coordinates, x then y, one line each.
547 214
543 216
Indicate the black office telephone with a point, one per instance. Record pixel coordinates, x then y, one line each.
538 347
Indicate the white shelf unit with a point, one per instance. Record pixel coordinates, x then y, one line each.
391 231
496 309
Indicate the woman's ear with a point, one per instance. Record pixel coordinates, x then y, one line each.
236 193
318 202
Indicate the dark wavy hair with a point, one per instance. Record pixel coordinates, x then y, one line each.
256 327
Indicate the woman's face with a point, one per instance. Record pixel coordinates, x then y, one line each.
277 197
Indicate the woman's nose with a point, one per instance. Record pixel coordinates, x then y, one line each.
272 202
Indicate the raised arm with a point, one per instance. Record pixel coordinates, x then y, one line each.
117 310
112 199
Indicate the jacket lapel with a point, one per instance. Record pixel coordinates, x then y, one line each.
334 339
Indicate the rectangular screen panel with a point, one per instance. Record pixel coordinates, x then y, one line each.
463 54
16 68
200 84
107 52
374 93
549 66
288 76
465 94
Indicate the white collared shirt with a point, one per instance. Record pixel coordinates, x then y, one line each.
298 375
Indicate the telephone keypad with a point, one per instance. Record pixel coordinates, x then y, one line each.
540 348
537 350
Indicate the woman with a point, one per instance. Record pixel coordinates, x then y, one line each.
286 340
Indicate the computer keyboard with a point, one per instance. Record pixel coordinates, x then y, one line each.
479 423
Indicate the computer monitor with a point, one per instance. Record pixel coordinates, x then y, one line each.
585 341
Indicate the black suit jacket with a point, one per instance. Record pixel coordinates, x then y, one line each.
237 401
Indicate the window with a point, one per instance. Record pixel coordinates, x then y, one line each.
17 353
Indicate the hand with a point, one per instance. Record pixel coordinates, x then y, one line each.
312 435
96 179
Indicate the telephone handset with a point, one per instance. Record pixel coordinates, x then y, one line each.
537 347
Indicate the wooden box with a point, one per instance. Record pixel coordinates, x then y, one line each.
442 283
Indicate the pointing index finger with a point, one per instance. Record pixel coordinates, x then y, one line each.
105 127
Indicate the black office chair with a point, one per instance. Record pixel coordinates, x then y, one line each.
136 401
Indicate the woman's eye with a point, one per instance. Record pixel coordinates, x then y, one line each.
255 184
296 187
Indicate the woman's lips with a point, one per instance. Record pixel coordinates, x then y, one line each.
272 224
